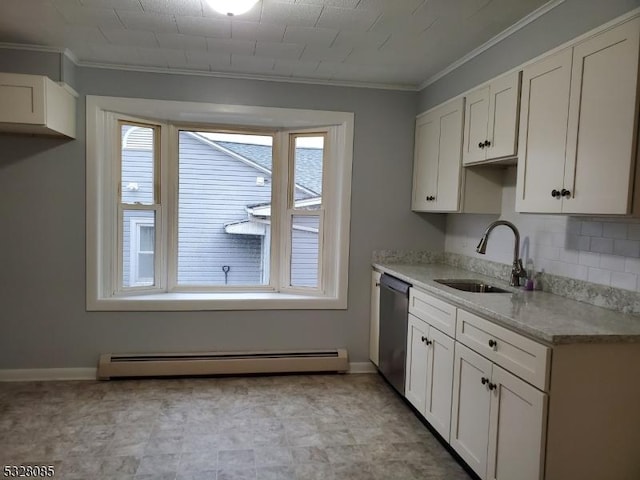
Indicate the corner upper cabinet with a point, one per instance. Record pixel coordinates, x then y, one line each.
578 128
491 121
35 104
439 183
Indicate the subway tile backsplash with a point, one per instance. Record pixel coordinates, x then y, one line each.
613 261
605 251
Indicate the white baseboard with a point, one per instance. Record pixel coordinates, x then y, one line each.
50 374
362 367
47 374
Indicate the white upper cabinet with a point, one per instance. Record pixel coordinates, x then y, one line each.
439 184
476 126
437 166
491 120
543 133
602 111
36 104
578 127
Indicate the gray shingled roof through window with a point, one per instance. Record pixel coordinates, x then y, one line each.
308 162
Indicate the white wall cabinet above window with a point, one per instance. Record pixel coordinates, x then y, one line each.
578 128
36 104
491 121
439 182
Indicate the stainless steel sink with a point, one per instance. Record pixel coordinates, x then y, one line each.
474 286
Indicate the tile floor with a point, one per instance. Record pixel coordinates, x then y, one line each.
303 427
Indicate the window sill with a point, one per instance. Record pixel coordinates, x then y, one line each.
215 301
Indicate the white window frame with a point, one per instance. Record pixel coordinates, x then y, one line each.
102 204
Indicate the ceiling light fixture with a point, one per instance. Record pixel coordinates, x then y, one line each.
232 7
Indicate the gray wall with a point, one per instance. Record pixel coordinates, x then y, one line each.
569 20
31 63
43 319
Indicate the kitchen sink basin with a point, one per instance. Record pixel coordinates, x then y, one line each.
472 286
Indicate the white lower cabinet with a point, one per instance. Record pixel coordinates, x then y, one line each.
471 404
429 373
374 322
415 385
515 409
498 420
516 429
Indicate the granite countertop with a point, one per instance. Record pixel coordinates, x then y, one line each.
542 316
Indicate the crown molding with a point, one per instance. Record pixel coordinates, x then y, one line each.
523 22
177 71
32 48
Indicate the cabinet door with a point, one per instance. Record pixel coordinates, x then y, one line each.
517 429
544 110
22 99
416 371
502 133
470 408
439 381
475 129
602 113
374 324
425 164
449 156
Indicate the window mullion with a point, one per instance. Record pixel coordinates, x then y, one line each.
169 183
279 212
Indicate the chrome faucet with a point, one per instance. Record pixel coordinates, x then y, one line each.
518 271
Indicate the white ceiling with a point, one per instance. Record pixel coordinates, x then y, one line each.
393 43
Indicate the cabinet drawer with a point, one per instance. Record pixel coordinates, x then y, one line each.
523 357
435 312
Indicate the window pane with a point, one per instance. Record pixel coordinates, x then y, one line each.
138 247
147 238
145 267
137 164
224 209
305 250
309 152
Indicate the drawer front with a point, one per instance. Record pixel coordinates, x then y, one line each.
521 356
435 312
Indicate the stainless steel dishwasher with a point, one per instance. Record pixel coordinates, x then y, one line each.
394 312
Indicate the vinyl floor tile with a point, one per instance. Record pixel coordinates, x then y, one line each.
289 427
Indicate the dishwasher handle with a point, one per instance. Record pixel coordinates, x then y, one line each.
395 284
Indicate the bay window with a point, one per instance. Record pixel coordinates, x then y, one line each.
201 206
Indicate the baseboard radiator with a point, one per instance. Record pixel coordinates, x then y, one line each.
221 363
